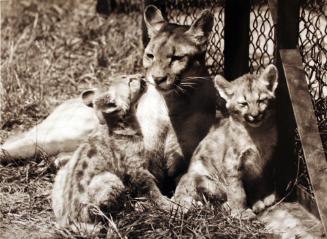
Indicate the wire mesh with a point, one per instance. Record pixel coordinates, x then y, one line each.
185 12
313 48
261 49
262 41
312 45
262 37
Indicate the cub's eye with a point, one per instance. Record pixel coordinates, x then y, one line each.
177 58
260 101
243 103
111 105
149 55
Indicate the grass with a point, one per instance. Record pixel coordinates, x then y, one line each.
51 51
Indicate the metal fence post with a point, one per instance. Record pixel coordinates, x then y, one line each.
237 38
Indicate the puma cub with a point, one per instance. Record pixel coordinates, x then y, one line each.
111 159
231 161
178 107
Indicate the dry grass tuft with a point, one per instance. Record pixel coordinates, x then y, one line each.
51 51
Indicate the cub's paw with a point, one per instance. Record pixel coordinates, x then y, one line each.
269 200
248 214
183 204
165 204
242 213
261 205
62 159
258 206
212 190
105 189
86 229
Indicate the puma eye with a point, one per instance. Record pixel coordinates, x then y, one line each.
149 55
260 101
243 104
112 105
177 58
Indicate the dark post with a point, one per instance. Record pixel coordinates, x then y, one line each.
237 38
307 127
286 13
105 6
159 4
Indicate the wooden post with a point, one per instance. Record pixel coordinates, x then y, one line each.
288 24
307 127
159 4
105 6
237 38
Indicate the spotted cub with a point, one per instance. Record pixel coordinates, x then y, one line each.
110 161
232 160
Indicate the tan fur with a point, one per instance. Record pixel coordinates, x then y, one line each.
178 108
62 131
174 114
237 150
108 163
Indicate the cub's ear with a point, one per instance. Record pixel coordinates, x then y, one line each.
153 19
202 27
135 87
224 87
88 96
106 106
270 77
101 103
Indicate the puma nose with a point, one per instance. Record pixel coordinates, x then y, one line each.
160 79
253 118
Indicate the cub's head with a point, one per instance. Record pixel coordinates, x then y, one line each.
249 97
175 54
117 101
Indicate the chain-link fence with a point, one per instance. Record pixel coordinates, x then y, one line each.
312 45
185 12
261 49
313 48
262 36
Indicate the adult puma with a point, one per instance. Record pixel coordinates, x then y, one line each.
175 112
178 107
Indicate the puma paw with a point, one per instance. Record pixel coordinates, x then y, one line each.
258 206
248 214
183 204
62 159
269 200
242 213
165 204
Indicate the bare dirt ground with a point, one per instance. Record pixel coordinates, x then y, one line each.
51 51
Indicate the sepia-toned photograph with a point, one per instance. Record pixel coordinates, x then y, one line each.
163 119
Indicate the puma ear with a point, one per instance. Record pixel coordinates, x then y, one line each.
135 86
270 77
106 104
202 27
102 104
88 96
224 87
153 19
